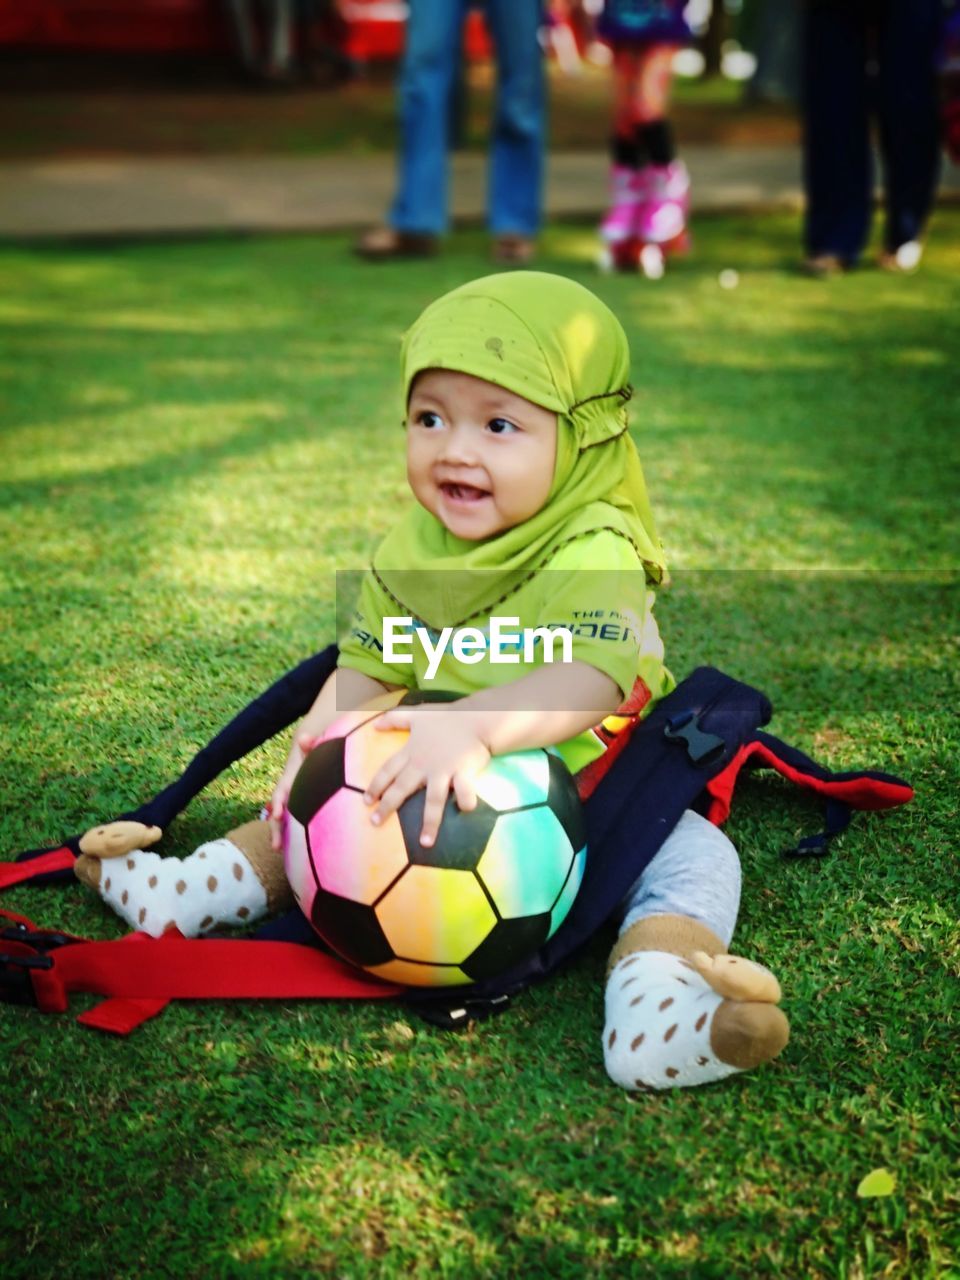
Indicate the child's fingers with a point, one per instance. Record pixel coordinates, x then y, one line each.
438 788
306 742
465 791
407 781
275 811
388 771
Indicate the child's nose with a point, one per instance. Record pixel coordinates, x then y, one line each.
459 445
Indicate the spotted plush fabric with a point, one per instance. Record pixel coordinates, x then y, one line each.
659 1013
214 886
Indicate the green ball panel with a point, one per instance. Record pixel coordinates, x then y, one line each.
513 781
568 892
526 863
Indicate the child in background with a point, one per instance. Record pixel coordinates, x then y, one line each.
530 503
650 187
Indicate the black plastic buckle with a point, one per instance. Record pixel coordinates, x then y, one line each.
810 847
39 939
15 982
703 748
458 1016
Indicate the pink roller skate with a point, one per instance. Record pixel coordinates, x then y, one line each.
661 227
618 230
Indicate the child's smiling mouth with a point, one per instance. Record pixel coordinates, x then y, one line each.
463 494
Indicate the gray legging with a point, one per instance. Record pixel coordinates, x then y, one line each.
696 872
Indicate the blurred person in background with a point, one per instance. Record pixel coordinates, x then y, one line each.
866 59
431 63
649 184
263 33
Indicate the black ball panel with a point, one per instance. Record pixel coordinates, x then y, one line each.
351 928
462 837
321 776
417 697
507 943
563 800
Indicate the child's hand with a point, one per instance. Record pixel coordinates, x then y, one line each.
444 752
277 807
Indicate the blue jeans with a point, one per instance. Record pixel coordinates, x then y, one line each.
431 58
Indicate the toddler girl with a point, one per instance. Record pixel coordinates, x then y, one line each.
650 187
530 504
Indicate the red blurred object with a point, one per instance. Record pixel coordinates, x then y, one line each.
154 26
370 30
375 30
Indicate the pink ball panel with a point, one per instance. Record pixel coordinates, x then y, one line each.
351 856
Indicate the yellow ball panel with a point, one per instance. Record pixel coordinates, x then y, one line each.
435 914
419 975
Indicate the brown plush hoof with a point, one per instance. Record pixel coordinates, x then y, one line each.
87 870
114 839
744 1034
737 978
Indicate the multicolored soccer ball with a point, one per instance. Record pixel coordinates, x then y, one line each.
497 883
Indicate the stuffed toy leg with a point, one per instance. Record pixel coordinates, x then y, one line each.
230 881
679 1010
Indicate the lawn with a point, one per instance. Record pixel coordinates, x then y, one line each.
196 436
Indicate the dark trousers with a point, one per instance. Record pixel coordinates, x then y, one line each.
866 59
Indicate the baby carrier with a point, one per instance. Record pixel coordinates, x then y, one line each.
688 753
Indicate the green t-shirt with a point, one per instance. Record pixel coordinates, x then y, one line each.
595 588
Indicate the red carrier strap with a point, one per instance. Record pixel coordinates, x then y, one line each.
140 975
12 873
859 790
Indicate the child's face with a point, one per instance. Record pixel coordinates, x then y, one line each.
479 458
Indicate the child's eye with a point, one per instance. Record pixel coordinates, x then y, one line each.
502 426
427 418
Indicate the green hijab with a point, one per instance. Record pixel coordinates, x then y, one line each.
548 339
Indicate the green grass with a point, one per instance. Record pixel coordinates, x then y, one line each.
196 436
